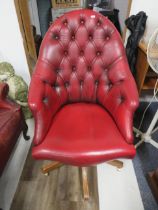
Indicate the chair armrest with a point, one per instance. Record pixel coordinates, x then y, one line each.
4 101
123 115
4 88
121 102
121 98
124 120
40 105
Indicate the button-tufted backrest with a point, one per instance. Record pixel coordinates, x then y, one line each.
82 59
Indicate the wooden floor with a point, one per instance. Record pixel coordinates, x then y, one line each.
61 190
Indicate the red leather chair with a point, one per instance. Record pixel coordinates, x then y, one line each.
12 123
82 93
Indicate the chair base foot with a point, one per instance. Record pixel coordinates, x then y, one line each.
46 174
86 195
117 163
49 167
54 165
85 183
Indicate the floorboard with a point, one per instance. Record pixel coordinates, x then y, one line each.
61 190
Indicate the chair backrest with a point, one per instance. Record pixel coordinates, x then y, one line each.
82 58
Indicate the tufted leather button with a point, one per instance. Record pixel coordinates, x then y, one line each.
107 38
82 21
98 53
45 82
90 37
58 89
73 37
96 82
66 84
121 80
81 82
57 70
54 86
55 36
65 52
65 22
110 85
98 23
89 68
45 100
81 52
73 68
121 99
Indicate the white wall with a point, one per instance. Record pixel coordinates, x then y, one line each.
11 43
151 9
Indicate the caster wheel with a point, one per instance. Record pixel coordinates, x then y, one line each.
46 174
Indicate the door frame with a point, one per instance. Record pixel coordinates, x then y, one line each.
23 29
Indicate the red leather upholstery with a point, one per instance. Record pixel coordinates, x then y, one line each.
82 60
11 125
87 136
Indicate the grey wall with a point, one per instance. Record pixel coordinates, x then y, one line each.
44 12
122 5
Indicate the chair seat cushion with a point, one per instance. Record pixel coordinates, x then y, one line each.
83 134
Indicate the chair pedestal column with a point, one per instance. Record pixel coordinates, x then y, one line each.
84 176
54 165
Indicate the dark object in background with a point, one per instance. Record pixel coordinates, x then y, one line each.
105 4
90 4
44 12
136 24
153 182
113 16
116 20
37 39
